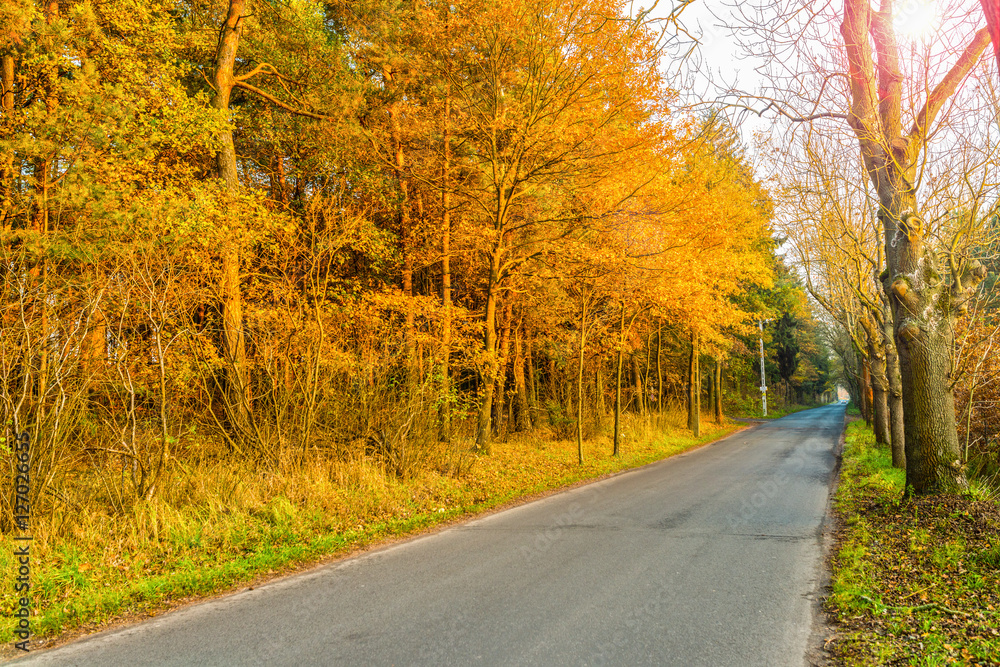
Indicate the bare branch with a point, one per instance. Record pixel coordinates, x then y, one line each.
949 85
278 103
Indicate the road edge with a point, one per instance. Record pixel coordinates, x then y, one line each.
823 629
82 633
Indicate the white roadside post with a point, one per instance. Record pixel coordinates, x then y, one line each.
763 380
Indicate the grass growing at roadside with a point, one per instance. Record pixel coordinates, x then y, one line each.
217 525
916 582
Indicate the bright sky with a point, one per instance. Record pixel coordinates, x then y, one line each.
916 19
719 60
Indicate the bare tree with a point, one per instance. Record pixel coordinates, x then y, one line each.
915 129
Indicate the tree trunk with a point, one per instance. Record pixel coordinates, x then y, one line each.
647 385
694 389
659 368
718 391
599 405
484 430
522 420
866 390
446 319
532 383
279 188
711 390
897 435
880 393
500 393
640 394
579 383
406 235
550 382
237 387
7 165
924 304
618 382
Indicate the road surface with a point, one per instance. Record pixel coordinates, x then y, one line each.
708 558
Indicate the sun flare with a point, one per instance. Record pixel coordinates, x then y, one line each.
916 19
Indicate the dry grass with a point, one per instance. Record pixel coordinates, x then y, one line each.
216 524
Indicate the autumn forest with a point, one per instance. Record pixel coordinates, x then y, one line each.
312 265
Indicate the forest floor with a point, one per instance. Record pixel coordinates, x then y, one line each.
219 526
915 582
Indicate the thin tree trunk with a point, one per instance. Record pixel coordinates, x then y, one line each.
532 382
867 411
649 368
237 387
618 381
484 430
500 395
599 405
279 188
446 324
897 434
718 391
7 165
579 383
40 215
879 386
550 382
640 394
711 390
694 391
659 368
522 420
406 234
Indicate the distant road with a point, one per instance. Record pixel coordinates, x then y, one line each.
709 558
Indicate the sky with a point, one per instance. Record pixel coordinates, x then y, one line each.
719 62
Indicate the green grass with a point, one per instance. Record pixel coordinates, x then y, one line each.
916 582
218 525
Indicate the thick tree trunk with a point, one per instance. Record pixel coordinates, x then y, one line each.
924 309
924 304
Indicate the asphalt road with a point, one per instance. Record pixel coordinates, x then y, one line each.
709 558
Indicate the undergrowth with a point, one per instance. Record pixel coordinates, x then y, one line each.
915 582
217 525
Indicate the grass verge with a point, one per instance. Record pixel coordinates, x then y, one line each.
915 582
217 525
